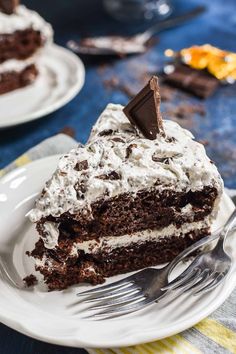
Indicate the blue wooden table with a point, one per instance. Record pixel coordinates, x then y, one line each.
70 19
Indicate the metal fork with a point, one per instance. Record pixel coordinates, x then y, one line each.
147 286
208 269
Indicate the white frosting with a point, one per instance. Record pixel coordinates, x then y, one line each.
22 19
16 65
188 167
51 234
111 242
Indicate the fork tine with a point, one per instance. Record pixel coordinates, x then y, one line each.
210 286
111 313
110 287
202 279
112 294
182 279
123 301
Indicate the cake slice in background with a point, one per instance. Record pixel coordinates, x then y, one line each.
23 36
124 201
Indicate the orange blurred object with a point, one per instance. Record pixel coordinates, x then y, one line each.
219 63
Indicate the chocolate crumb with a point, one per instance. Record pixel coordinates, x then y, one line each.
30 280
167 93
129 150
111 83
204 142
184 111
68 131
82 165
127 90
113 175
114 83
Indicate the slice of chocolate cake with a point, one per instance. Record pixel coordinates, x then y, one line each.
23 35
123 201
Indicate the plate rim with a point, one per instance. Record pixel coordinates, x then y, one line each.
71 93
150 334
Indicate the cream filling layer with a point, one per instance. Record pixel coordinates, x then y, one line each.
16 65
113 242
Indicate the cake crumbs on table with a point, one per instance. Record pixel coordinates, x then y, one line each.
68 131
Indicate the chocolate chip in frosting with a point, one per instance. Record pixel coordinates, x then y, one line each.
171 139
129 150
160 159
106 132
117 139
113 175
82 165
80 190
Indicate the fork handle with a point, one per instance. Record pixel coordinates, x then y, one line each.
204 241
174 21
229 226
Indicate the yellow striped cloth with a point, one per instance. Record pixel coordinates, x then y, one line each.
215 334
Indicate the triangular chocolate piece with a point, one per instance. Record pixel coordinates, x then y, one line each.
8 6
144 110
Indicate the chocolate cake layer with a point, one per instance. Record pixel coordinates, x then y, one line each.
20 44
13 80
126 214
59 274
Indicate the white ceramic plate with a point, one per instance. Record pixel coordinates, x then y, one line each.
52 317
61 78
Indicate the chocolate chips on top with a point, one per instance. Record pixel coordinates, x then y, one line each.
82 165
8 6
144 110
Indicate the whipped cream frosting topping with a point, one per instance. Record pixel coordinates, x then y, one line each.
22 19
118 159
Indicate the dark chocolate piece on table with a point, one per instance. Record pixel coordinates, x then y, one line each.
8 6
143 110
198 82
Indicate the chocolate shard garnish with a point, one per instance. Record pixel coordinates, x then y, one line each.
143 110
8 6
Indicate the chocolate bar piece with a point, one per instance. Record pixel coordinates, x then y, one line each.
143 110
198 82
8 6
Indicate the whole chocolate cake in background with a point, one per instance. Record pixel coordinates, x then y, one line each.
134 196
23 35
